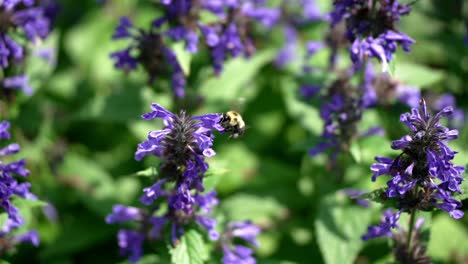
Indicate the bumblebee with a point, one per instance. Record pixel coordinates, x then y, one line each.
233 122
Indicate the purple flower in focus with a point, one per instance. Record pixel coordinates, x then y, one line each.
148 49
183 144
234 254
423 176
10 187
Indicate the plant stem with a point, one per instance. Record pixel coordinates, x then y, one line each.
410 229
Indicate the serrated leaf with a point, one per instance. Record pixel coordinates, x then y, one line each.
339 228
190 250
183 57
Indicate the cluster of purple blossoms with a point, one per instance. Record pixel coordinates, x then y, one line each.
414 252
148 49
341 112
149 226
230 35
9 188
370 26
33 19
423 176
183 144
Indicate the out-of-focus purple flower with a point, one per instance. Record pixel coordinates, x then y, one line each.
51 212
370 25
341 111
389 221
148 50
307 91
416 251
20 82
130 243
237 253
423 176
354 194
122 214
288 52
382 89
229 35
457 119
33 20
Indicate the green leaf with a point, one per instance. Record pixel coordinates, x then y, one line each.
77 234
448 238
417 75
122 105
183 57
392 66
355 151
304 113
190 250
94 185
339 228
232 82
258 209
149 172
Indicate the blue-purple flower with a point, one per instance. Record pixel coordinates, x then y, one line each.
370 26
423 176
294 15
341 112
10 187
183 144
33 19
149 50
235 254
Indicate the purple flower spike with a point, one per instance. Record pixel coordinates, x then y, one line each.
423 176
148 50
371 27
33 19
9 188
